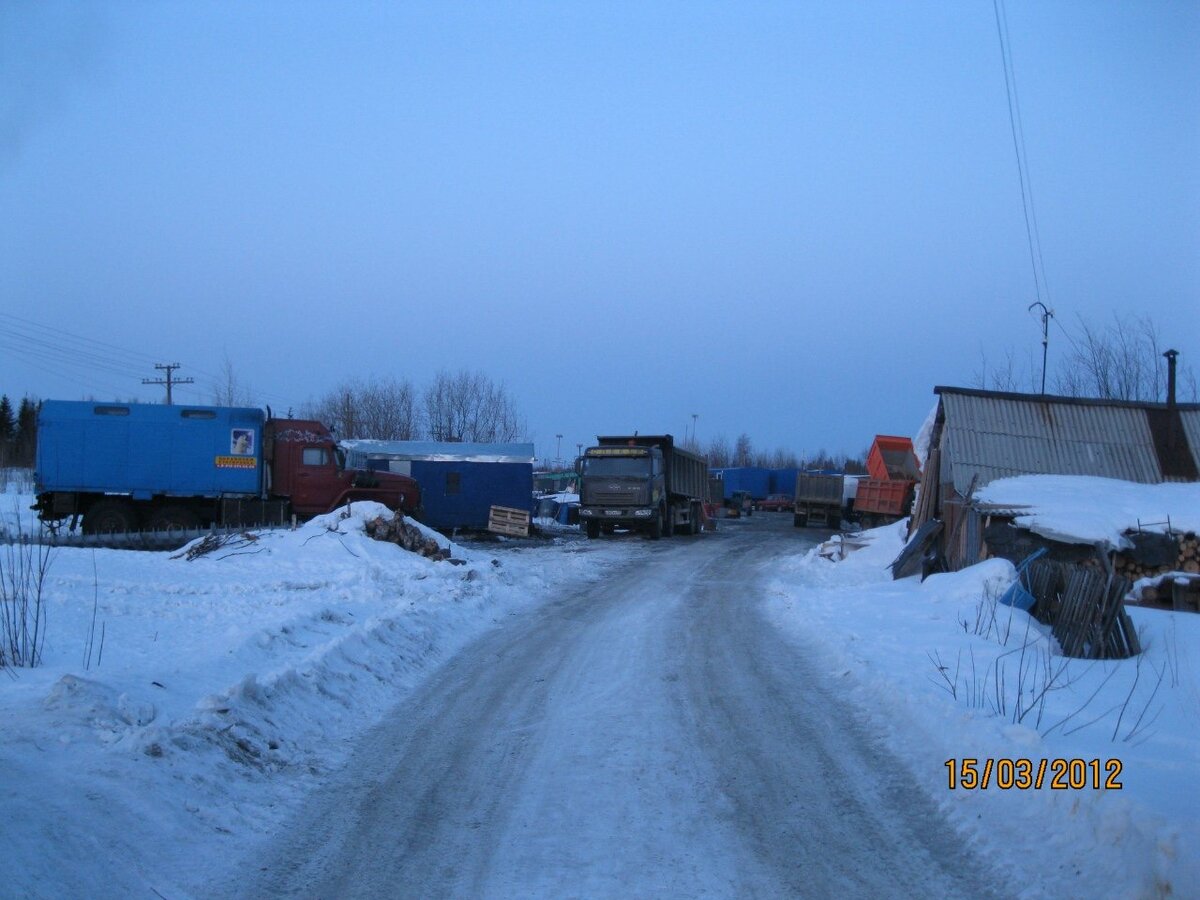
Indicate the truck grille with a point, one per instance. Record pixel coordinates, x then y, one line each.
634 497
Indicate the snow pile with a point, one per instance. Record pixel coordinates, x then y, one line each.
212 693
946 674
1082 509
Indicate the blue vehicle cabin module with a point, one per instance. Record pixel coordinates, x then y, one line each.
643 483
125 466
460 481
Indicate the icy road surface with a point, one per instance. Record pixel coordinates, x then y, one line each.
651 735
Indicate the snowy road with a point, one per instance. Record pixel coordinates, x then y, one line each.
651 735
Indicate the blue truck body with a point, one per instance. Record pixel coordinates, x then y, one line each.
752 479
783 481
146 450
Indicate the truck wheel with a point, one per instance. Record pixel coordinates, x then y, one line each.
173 518
656 527
109 517
799 520
593 529
669 522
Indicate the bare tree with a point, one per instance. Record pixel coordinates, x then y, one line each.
228 389
381 408
469 406
718 452
1120 361
1008 375
388 410
743 451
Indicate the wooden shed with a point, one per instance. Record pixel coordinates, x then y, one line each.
979 436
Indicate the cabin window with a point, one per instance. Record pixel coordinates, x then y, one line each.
198 414
315 456
453 483
111 410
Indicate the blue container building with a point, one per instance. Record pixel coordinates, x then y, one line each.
783 481
144 450
745 478
460 482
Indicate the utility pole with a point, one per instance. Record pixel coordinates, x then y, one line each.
1047 315
558 452
168 381
695 416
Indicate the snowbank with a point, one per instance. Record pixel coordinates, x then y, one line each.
211 693
942 671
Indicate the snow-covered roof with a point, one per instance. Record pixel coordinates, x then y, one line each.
438 451
1080 509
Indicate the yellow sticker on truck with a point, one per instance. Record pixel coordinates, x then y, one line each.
236 462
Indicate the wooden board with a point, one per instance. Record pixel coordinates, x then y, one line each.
509 521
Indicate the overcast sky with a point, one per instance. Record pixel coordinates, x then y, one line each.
791 220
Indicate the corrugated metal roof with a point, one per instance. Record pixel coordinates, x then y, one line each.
990 435
1191 427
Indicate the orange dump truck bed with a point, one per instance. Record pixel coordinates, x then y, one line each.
893 459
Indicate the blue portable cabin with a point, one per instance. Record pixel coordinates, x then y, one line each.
755 480
460 482
783 481
145 450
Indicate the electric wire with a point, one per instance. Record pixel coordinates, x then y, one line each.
77 360
1033 236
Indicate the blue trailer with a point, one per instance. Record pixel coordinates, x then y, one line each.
460 482
783 481
147 450
751 479
125 466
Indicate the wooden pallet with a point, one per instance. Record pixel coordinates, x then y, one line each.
508 521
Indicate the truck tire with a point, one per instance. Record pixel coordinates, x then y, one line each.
593 529
173 518
109 517
655 531
799 520
669 521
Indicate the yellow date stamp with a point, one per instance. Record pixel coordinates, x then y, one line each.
970 773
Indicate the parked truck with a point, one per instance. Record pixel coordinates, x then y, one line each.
819 500
641 482
887 495
127 466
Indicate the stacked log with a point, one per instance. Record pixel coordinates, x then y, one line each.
1187 560
1166 592
407 535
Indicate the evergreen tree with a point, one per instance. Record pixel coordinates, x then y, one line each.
8 429
25 441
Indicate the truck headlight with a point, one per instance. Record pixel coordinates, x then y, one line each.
642 512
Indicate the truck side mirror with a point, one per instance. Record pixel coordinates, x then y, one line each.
579 465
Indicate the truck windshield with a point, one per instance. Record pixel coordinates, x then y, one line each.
616 466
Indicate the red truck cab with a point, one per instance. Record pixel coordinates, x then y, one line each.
309 469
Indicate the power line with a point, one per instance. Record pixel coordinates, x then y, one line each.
77 359
168 381
1041 289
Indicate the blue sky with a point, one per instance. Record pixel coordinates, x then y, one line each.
791 219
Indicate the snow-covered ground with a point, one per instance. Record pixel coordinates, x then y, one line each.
183 706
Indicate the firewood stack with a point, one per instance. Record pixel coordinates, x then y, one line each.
1188 561
408 536
1167 591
